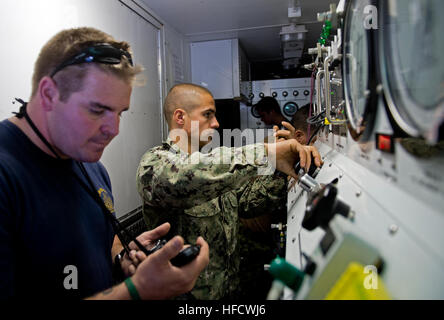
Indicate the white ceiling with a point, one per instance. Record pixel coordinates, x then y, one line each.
256 23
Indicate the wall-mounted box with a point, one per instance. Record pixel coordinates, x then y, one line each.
220 66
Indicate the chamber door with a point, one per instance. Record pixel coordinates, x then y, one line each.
358 71
412 66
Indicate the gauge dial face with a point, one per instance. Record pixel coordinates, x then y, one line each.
413 68
356 64
254 113
290 109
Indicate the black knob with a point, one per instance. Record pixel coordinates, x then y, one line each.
295 93
285 94
322 206
274 94
306 93
261 95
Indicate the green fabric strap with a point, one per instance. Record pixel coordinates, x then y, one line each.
132 289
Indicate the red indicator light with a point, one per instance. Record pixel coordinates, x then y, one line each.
384 142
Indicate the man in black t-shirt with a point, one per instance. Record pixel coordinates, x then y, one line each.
56 208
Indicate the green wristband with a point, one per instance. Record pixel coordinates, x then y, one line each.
132 289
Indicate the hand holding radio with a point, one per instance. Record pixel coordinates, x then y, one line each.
170 269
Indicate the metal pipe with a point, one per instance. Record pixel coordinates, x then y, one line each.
327 86
327 92
318 109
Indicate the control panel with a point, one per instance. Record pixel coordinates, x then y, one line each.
291 94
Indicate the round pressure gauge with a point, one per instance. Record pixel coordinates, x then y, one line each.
358 70
254 113
290 109
411 66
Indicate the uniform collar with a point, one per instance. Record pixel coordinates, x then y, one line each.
173 147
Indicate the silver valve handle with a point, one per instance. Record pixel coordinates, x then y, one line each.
307 182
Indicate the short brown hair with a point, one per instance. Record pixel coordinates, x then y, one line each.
268 104
177 98
67 44
299 120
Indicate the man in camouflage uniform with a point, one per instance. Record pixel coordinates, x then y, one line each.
259 244
205 194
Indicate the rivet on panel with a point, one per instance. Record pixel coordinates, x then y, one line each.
352 215
393 229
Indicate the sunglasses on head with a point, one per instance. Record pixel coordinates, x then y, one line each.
101 53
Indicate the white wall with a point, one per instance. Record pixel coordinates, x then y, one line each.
177 58
26 25
177 62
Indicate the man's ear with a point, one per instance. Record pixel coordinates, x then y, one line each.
179 117
49 93
301 137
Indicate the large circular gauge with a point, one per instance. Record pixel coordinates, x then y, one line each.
358 71
412 67
254 113
290 108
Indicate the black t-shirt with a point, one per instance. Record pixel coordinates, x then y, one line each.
54 237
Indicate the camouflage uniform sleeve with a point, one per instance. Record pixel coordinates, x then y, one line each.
170 180
265 194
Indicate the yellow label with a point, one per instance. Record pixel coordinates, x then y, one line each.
359 283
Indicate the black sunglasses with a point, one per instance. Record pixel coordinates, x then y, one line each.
101 53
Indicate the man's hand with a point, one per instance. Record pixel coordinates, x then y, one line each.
312 151
285 154
156 278
147 239
281 135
